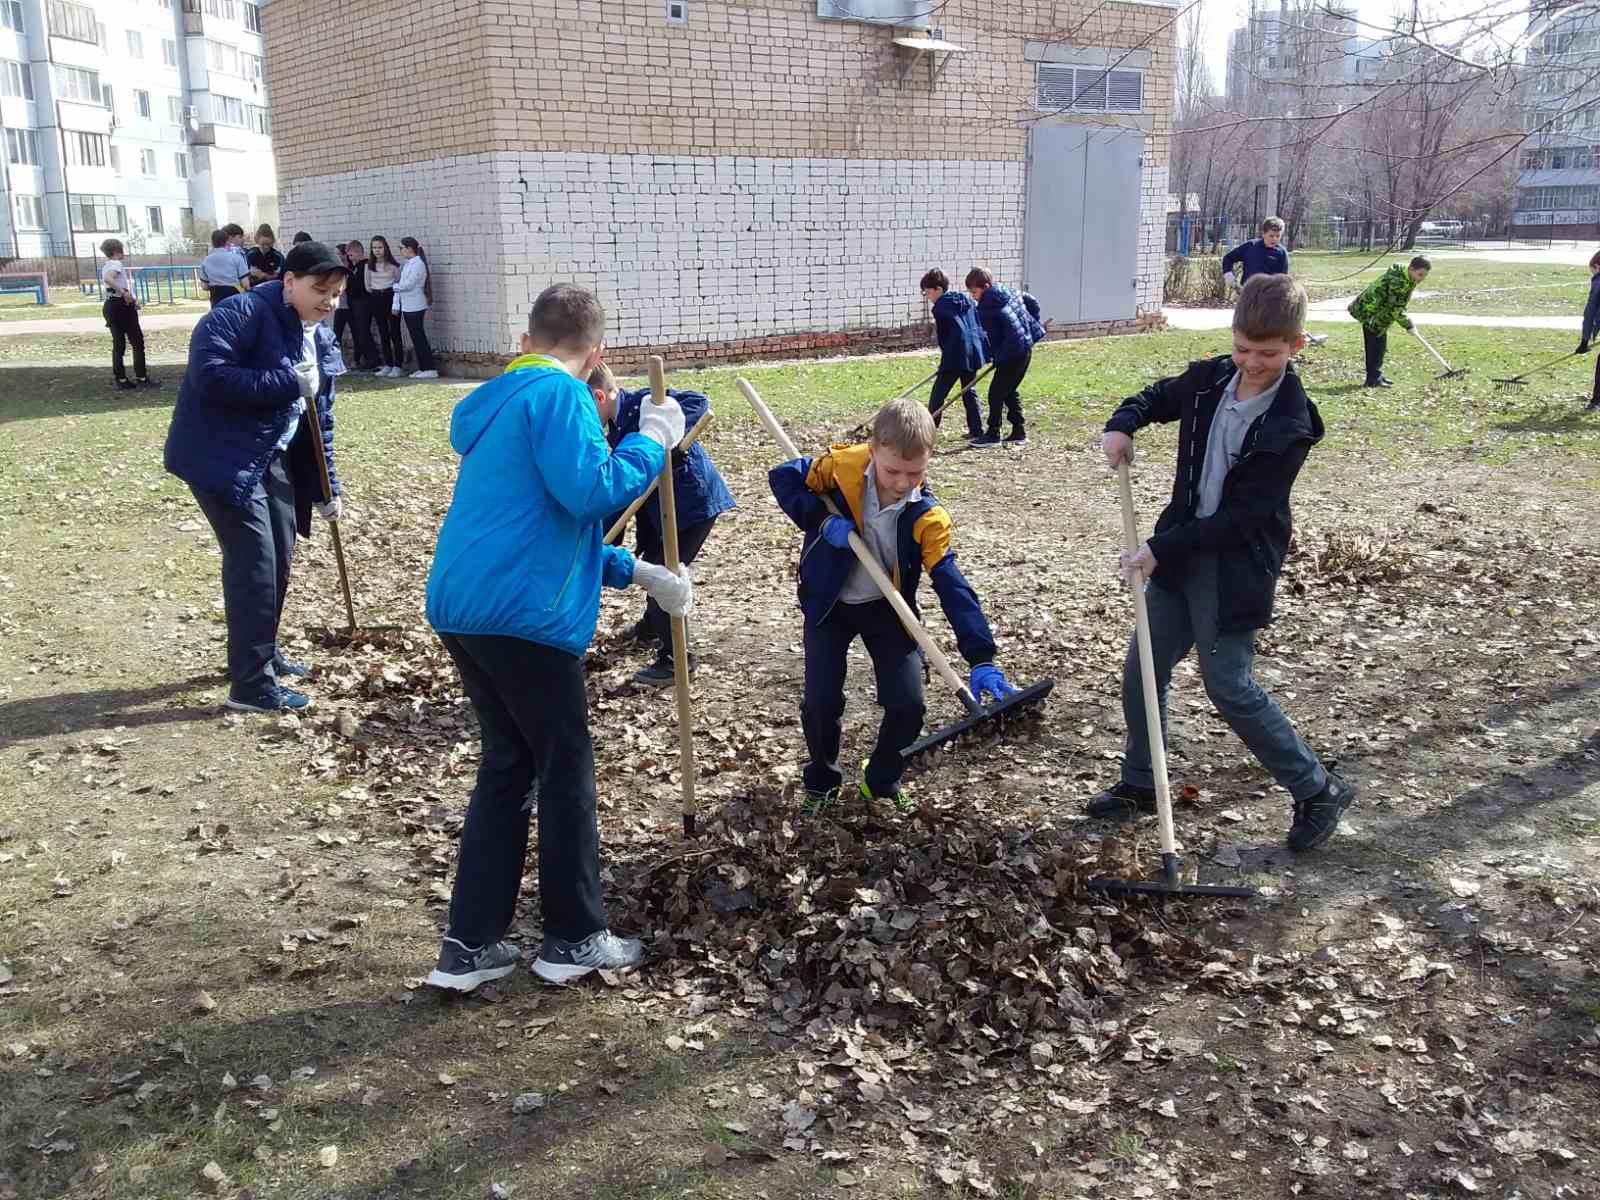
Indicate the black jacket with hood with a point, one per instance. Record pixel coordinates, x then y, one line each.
1250 531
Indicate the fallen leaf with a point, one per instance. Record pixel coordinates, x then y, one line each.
328 1156
201 1002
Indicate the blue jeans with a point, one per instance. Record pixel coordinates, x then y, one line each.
1186 618
257 544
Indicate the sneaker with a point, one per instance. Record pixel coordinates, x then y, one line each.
380 372
462 969
282 666
126 385
660 674
1122 802
562 962
149 383
424 374
1592 405
900 798
815 802
636 633
276 699
986 442
1316 818
1016 438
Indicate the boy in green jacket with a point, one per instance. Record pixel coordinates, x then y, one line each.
1380 306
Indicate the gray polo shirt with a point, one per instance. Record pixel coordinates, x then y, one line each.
1233 420
880 526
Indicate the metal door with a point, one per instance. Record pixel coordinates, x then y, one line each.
1081 229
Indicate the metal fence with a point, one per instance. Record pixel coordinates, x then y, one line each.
158 278
1195 234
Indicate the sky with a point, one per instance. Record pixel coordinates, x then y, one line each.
1222 17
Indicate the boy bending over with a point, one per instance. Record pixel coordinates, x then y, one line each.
514 593
881 485
1213 561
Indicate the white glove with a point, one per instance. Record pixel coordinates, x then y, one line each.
306 374
674 593
333 510
664 422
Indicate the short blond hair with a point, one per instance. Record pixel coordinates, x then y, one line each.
602 378
905 427
1270 307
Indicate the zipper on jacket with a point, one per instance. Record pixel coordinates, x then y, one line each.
572 569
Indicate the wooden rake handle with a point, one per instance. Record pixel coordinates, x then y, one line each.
680 641
689 439
314 419
885 585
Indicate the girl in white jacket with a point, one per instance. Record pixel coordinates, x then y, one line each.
412 295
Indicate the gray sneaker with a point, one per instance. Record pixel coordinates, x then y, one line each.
462 969
562 962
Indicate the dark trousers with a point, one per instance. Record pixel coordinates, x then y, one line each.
648 546
533 717
122 319
360 319
257 544
1375 345
1003 385
899 673
969 397
388 327
219 294
419 340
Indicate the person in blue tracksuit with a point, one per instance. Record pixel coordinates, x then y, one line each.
1591 326
962 349
1010 322
699 494
261 367
1259 256
514 593
881 485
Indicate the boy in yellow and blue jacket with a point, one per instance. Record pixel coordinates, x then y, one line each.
881 484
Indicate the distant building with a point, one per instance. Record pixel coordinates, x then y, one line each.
1558 187
141 119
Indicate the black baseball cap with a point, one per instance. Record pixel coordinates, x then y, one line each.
312 258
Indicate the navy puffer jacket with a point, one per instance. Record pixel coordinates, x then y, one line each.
238 399
961 344
1010 321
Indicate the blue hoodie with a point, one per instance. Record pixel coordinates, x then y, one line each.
961 344
519 554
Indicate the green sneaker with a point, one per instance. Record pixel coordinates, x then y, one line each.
901 798
816 802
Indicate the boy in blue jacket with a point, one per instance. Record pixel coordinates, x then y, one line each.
698 492
962 350
1010 321
514 594
881 485
1259 256
261 365
1591 326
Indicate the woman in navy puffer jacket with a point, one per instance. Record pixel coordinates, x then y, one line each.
260 363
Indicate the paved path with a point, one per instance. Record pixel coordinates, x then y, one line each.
1334 310
56 325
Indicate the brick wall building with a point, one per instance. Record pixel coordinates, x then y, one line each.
733 177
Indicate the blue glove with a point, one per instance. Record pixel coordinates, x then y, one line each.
990 680
836 532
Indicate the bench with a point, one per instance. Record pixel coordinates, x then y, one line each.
22 282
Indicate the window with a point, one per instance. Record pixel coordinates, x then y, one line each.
153 220
16 80
135 44
175 109
116 159
251 64
74 83
224 58
75 21
106 97
169 52
97 214
252 17
87 149
30 212
226 9
1532 160
227 110
1558 159
22 147
141 103
11 15
147 162
180 165
186 220
1089 89
258 119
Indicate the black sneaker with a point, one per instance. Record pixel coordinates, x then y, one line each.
1385 381
562 962
815 802
1016 438
1122 802
462 969
660 673
282 666
149 383
987 442
126 385
275 699
1316 818
1592 405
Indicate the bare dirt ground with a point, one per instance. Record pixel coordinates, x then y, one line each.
211 928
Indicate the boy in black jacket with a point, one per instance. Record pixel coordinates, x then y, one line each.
1213 561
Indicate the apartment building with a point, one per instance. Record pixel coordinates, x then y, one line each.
1558 185
143 119
735 177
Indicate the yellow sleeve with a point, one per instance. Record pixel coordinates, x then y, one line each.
932 532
